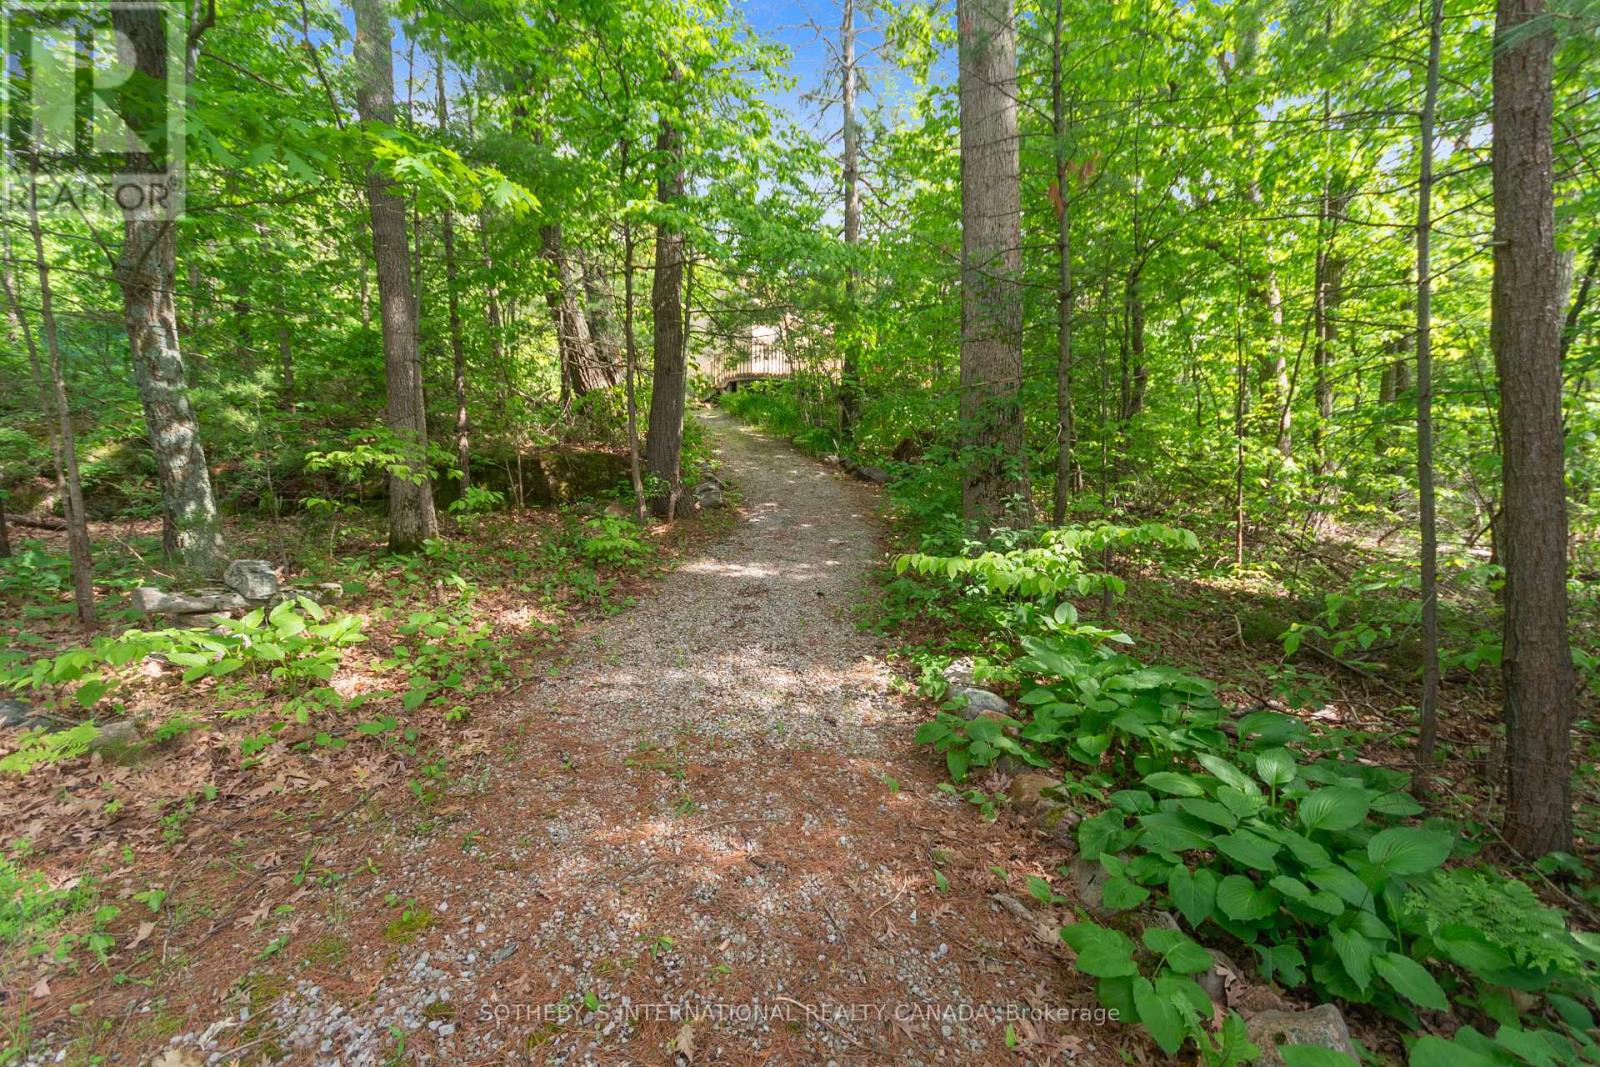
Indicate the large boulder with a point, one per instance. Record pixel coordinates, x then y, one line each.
153 601
16 713
114 735
1319 1027
253 579
974 701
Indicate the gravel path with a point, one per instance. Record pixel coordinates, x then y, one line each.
705 838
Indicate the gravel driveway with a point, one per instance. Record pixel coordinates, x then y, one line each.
708 838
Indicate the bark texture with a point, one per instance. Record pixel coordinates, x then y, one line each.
663 443
1532 533
146 271
850 178
993 479
411 515
582 369
458 350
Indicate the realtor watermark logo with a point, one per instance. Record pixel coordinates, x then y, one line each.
92 106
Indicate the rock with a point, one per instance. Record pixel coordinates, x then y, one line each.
253 579
114 735
153 601
14 713
1088 881
959 672
708 495
1011 904
978 701
1011 766
1320 1027
1027 789
1222 975
875 475
1059 822
329 591
204 620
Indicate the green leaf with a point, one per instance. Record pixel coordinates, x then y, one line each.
929 732
1403 850
1283 962
1209 811
1120 894
1275 767
1194 895
1411 980
1182 953
1102 952
1178 785
1248 849
1335 807
1355 953
1242 900
1160 1016
1430 1051
1227 772
1342 883
1166 831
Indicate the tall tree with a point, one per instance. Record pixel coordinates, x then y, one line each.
1429 708
458 350
411 515
60 409
663 443
850 178
1063 207
993 479
1532 535
146 273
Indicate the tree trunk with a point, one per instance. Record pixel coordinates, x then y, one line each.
631 358
146 273
664 440
1526 336
581 368
1065 431
849 349
994 478
77 517
599 307
458 351
411 516
286 368
1429 708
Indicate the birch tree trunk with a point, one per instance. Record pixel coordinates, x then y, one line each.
411 516
994 480
146 272
1525 331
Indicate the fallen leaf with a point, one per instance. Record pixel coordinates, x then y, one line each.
41 988
683 1043
145 930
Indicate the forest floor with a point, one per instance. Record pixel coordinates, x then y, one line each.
703 834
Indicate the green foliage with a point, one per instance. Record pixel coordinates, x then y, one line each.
293 648
1240 827
614 542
